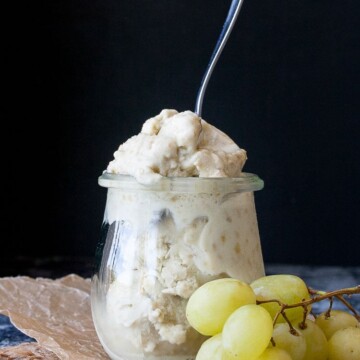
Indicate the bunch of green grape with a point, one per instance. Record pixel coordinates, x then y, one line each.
242 325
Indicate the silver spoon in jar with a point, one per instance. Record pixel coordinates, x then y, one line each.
224 35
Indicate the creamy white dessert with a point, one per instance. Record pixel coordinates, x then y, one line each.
178 144
166 237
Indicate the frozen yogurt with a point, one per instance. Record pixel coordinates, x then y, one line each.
179 213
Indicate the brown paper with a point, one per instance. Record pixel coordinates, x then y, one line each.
30 351
54 312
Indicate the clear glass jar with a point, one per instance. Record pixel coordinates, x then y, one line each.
161 242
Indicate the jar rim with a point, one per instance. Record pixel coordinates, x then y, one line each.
243 183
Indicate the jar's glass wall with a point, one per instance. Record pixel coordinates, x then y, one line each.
157 248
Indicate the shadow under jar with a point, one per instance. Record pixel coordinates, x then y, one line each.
159 243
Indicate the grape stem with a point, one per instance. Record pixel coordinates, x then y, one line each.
317 296
338 294
350 307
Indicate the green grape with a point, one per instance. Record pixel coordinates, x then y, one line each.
316 342
345 344
336 321
211 304
274 354
289 289
224 356
246 333
211 349
295 345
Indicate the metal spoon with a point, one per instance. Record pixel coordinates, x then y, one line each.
225 33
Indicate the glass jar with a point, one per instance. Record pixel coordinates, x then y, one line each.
160 243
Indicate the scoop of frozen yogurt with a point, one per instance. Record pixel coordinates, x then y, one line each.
175 144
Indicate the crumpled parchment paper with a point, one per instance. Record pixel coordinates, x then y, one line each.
30 351
56 313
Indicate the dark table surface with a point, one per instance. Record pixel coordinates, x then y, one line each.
318 277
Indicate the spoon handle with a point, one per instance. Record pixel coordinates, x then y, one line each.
225 33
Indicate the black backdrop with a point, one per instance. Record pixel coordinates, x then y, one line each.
82 76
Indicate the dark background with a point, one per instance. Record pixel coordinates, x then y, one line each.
83 75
